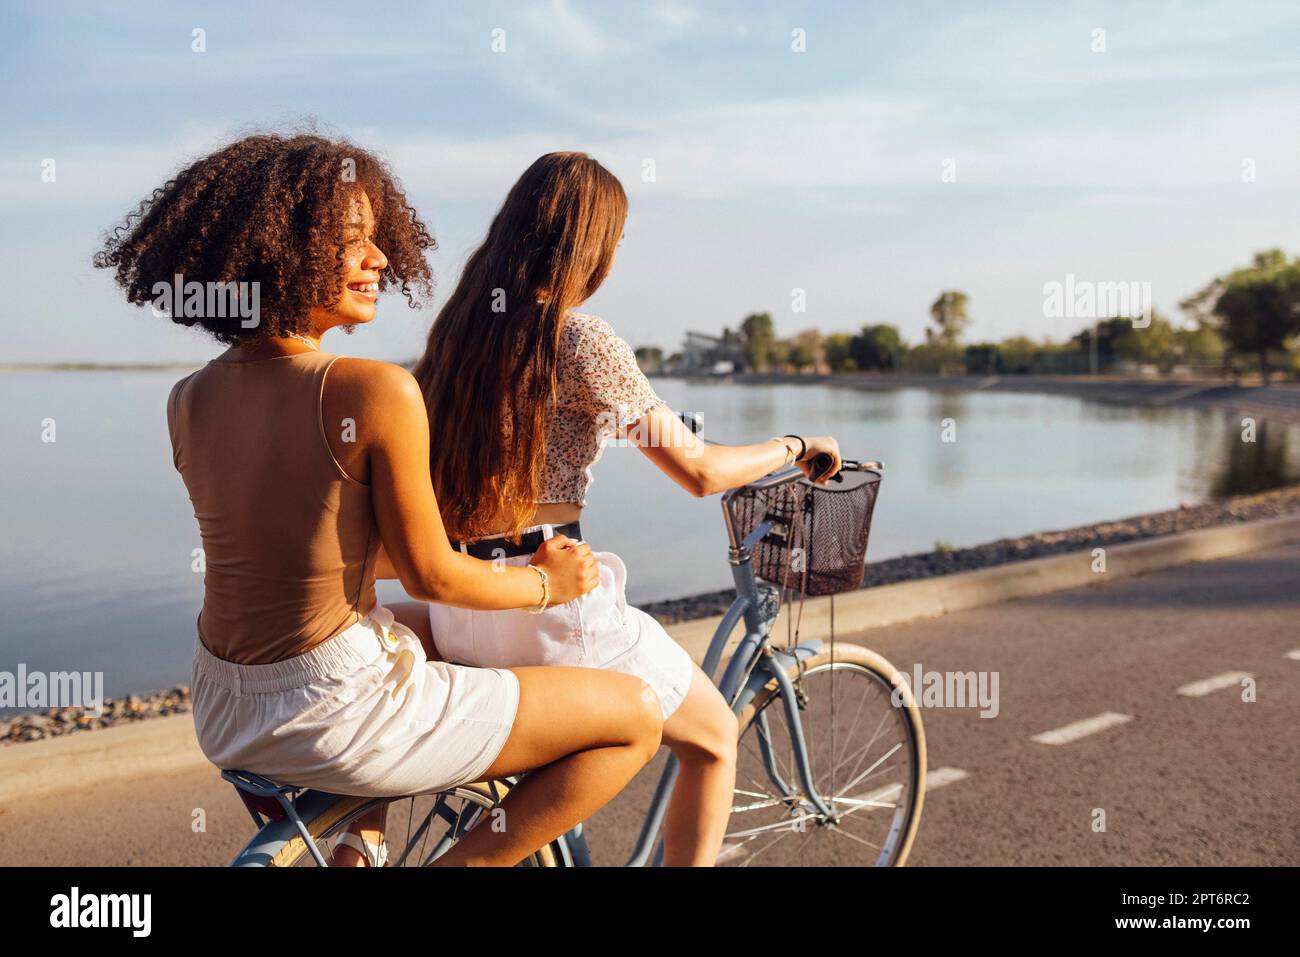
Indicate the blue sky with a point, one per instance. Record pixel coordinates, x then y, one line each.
775 170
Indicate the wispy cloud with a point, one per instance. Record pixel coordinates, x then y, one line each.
565 28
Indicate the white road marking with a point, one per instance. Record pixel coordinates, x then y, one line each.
888 795
1294 654
941 776
1198 689
1081 729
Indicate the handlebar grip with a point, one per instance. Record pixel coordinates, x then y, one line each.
821 465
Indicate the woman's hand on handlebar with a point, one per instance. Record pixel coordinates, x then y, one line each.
570 567
820 445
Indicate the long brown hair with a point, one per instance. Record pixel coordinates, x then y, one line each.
488 370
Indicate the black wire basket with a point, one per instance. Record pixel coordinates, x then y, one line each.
817 544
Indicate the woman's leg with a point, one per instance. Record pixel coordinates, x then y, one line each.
370 826
702 734
581 734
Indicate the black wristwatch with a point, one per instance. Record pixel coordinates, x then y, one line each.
803 446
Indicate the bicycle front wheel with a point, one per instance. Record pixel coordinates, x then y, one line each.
418 828
867 758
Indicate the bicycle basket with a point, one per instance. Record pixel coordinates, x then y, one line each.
818 541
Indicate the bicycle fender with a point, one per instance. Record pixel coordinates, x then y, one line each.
783 659
267 842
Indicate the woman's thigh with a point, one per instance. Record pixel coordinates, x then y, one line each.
415 615
566 710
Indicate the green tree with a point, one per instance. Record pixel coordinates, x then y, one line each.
1153 343
838 351
757 332
950 318
801 356
877 347
1199 344
1018 354
779 354
1109 332
805 349
1256 308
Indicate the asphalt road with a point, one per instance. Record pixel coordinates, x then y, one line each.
1188 779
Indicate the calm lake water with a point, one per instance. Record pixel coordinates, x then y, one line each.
98 532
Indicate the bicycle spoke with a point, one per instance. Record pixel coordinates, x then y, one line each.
861 840
867 747
864 774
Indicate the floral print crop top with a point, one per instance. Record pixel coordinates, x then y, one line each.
599 390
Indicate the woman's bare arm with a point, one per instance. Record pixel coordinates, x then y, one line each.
392 429
703 469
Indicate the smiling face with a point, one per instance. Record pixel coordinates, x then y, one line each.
363 262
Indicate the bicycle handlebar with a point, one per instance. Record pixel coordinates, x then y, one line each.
823 462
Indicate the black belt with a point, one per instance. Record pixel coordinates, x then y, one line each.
490 548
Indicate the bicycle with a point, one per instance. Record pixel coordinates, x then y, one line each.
780 696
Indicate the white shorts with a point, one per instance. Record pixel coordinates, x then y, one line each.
596 630
363 713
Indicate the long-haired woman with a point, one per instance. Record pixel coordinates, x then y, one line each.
512 472
299 464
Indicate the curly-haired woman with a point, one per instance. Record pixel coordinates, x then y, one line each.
298 464
566 383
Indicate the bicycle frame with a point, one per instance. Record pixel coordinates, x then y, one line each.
753 664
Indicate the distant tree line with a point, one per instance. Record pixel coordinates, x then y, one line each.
1249 318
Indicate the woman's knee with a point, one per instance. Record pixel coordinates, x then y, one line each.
708 735
647 717
720 739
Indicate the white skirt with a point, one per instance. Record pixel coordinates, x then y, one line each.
363 713
597 630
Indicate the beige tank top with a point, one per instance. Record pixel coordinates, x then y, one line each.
289 540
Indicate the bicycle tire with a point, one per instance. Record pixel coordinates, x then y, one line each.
856 655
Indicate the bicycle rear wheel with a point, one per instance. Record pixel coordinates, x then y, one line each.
417 828
867 759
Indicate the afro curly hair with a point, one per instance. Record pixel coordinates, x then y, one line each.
267 209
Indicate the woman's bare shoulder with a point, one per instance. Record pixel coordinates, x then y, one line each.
371 381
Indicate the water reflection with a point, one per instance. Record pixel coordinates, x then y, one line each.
1246 467
952 436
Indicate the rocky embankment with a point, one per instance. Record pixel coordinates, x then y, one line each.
37 725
